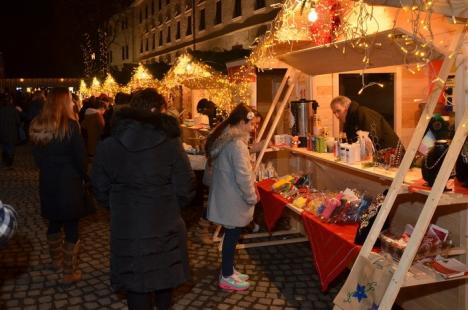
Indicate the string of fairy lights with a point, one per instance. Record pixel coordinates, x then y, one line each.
224 91
315 22
326 22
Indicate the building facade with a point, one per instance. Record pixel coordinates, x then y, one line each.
160 30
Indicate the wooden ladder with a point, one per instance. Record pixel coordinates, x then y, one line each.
436 192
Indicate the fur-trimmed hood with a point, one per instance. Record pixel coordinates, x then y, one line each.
229 134
139 130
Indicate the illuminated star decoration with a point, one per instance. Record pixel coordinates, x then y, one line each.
360 292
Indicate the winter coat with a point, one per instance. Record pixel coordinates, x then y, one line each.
92 127
142 173
232 194
9 123
362 118
62 168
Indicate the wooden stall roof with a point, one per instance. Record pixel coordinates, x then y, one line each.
386 53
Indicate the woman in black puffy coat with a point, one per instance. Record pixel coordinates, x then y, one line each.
143 175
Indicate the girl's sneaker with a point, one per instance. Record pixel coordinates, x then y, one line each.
233 283
241 276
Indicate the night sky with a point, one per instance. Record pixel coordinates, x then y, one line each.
41 38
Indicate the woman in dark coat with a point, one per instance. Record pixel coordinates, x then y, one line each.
60 154
143 174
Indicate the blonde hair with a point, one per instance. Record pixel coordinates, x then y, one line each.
52 122
341 100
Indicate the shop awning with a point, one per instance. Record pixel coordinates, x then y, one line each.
331 58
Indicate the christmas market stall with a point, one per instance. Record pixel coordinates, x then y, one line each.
407 62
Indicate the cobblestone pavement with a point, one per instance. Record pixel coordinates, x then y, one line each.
282 277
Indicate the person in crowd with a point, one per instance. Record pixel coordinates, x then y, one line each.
34 108
60 154
208 108
121 100
232 194
9 124
76 104
356 117
142 173
93 125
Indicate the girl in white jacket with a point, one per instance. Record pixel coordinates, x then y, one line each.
232 194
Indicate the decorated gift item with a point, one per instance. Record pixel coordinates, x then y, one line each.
295 141
283 182
300 202
433 161
366 146
435 242
365 288
389 157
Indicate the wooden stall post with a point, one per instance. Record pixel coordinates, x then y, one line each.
291 84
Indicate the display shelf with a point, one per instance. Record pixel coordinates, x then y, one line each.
419 274
412 176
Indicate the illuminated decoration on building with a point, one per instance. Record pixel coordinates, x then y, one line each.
191 73
142 79
110 86
84 91
95 88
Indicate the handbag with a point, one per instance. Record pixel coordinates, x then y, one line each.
366 284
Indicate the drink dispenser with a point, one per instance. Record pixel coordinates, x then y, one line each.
303 110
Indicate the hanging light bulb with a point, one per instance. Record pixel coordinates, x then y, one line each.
312 16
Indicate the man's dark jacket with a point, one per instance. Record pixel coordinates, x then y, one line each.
362 118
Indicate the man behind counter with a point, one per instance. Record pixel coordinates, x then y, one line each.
355 117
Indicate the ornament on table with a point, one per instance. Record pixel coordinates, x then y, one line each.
389 157
295 141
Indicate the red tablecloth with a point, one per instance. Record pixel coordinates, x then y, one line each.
332 246
273 204
421 184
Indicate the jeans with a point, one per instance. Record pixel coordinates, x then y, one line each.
231 237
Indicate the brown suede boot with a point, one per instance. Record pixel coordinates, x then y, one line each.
55 242
71 274
203 233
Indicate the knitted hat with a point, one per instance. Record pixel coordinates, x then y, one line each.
8 222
